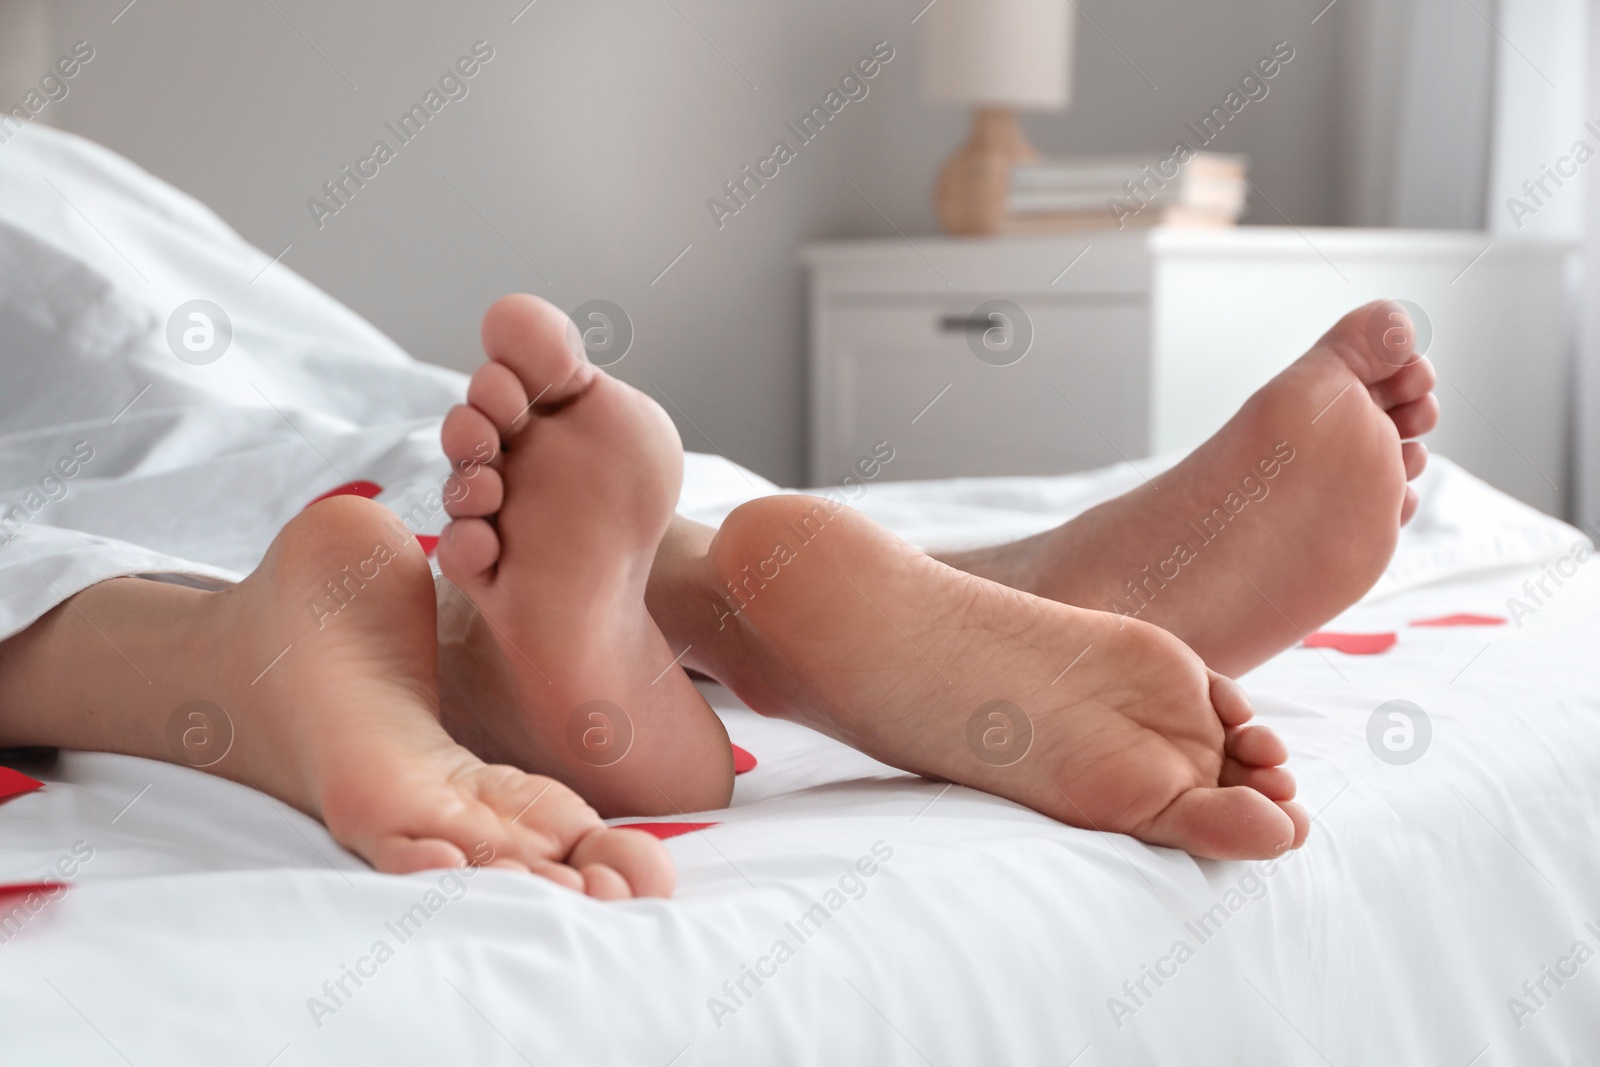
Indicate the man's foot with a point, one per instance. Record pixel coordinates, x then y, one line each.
813 613
1275 525
549 660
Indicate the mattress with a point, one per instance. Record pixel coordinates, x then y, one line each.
1446 909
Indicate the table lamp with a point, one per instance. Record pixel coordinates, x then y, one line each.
997 55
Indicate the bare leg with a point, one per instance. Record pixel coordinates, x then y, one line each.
330 702
1275 525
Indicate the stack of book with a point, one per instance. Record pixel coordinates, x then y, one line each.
1118 192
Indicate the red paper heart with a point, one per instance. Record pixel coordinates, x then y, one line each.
1352 644
22 889
358 488
664 830
370 490
15 783
743 762
1464 619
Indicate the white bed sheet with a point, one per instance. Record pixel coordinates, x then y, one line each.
209 916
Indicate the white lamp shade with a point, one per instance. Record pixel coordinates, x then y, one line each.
1001 52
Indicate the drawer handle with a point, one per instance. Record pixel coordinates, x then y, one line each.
970 323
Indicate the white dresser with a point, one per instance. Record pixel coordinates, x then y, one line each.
1138 343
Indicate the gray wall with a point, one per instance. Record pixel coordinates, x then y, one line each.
594 137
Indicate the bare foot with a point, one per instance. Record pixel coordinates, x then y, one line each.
817 615
1275 525
549 660
314 681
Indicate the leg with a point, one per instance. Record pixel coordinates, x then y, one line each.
1275 525
809 612
549 660
323 660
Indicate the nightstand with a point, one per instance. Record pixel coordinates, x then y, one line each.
1059 354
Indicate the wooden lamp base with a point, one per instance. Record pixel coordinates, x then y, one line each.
970 196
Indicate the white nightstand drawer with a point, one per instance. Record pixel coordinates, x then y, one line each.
1157 336
908 371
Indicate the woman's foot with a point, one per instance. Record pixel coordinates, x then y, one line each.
810 612
548 658
312 680
1279 522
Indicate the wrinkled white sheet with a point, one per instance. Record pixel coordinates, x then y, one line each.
209 916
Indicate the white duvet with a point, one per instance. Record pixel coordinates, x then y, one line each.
892 920
1444 911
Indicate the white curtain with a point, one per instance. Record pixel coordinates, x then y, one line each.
1419 84
1586 444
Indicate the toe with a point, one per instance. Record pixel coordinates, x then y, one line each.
469 439
604 883
1376 340
639 858
1274 783
1229 823
1411 382
497 393
560 874
1408 507
1416 418
539 344
400 854
468 548
482 494
1414 454
1301 821
1256 745
1228 697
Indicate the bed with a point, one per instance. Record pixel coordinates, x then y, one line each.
1446 909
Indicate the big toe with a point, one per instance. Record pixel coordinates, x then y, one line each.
538 343
1378 340
1229 823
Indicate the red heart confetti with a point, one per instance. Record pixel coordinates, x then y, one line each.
15 783
1352 644
358 488
370 490
22 889
1464 619
664 830
743 762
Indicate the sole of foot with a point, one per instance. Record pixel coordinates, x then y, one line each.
565 480
1276 524
1099 721
325 660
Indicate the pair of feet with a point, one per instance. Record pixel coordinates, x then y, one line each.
1068 672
